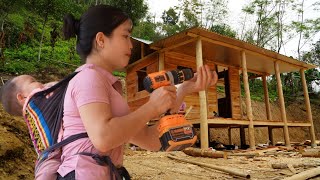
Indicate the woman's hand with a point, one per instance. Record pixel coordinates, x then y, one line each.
163 99
201 81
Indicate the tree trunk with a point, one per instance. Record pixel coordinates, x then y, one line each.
300 34
42 34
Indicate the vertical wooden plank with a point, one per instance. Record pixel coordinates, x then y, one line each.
267 103
142 50
215 94
308 107
282 105
161 61
203 101
234 82
248 100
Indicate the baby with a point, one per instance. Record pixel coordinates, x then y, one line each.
16 90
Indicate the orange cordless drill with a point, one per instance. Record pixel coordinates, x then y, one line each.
176 133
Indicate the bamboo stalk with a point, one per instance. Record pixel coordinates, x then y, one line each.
219 168
305 174
203 102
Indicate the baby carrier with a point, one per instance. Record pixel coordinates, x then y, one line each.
43 115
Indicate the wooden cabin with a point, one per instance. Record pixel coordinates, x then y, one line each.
232 59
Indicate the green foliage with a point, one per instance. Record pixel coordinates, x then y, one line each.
313 56
223 30
18 67
136 9
146 29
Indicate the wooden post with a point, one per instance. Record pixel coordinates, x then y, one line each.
142 50
282 105
161 61
242 136
308 107
229 135
248 100
267 103
203 102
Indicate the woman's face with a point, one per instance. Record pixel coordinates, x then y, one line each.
118 46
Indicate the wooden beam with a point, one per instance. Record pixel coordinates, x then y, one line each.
177 45
282 104
308 107
228 121
161 61
140 60
268 109
203 102
248 100
174 54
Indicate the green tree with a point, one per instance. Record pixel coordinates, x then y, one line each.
147 29
50 9
306 28
171 21
223 29
313 56
136 9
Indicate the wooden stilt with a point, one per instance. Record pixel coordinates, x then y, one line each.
161 61
271 135
248 100
242 136
308 107
230 136
203 101
267 103
282 105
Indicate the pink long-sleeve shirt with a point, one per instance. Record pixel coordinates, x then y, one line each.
93 84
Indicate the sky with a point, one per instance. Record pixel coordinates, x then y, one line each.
156 7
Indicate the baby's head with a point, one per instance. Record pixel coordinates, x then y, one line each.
15 91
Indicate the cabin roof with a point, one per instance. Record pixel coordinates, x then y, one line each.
224 50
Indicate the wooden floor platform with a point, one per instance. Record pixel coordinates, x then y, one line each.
228 122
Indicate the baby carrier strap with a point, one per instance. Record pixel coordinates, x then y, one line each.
44 113
105 161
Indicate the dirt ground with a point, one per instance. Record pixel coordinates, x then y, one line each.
144 165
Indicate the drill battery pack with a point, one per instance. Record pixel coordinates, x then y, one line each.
176 133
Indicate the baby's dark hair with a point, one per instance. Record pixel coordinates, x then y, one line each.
100 18
9 98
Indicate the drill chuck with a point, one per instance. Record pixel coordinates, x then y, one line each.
163 78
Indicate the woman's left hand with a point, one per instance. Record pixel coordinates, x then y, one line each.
201 80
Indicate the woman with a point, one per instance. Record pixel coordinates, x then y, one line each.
93 101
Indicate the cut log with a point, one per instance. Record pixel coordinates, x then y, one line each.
305 174
311 153
249 155
228 170
196 152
